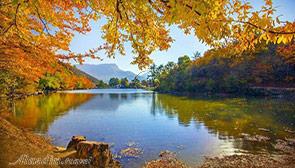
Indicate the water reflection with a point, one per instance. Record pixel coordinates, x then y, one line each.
231 117
108 102
38 112
193 127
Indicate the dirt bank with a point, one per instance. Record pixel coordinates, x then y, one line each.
16 143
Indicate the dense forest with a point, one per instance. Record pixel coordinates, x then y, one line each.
219 72
57 76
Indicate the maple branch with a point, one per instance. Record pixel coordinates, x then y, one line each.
6 30
90 53
42 21
153 6
13 23
15 17
118 9
269 31
192 9
188 6
257 27
131 34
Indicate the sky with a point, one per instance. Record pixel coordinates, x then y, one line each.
183 44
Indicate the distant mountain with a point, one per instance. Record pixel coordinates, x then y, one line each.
105 71
78 72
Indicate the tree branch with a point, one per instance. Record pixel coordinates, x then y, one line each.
153 6
188 6
118 9
42 21
269 31
13 23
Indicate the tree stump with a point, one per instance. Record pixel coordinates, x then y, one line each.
98 152
74 142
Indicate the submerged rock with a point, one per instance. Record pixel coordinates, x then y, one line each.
131 143
167 154
257 138
291 141
264 129
289 131
131 152
167 160
284 146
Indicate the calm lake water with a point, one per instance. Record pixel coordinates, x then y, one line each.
191 127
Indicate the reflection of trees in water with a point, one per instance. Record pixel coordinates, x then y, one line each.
153 107
38 112
7 106
174 106
228 118
114 96
231 117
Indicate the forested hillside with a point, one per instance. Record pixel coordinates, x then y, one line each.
56 76
217 71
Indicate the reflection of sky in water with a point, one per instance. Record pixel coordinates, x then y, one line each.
191 127
111 119
108 91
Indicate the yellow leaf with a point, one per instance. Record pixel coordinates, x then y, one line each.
280 39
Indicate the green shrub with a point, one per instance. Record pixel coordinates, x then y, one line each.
49 82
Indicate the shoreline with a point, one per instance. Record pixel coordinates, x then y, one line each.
253 92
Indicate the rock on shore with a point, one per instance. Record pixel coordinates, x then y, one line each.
167 160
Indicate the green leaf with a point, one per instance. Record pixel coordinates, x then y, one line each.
15 2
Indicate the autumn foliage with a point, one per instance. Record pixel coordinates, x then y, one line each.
35 34
218 71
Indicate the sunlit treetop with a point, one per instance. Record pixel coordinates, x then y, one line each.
43 26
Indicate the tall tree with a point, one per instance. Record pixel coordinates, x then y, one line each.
114 82
124 83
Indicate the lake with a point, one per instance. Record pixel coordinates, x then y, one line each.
191 127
